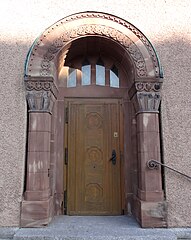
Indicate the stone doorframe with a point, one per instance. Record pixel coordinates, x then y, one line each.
44 60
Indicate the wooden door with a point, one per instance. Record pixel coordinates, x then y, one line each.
93 180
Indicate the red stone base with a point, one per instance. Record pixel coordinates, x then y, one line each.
150 214
36 213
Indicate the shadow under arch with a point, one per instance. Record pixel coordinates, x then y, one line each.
44 61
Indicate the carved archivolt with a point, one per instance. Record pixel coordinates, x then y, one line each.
65 36
98 30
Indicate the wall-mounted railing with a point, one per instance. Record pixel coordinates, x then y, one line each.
154 164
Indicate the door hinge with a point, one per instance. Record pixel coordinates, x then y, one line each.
66 114
66 156
65 202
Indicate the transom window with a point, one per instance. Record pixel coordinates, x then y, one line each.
86 73
100 73
93 71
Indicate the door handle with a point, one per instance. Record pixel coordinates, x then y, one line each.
113 157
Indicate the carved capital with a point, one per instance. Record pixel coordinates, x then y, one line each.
148 102
41 94
39 101
147 97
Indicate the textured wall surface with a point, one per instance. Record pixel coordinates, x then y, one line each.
167 24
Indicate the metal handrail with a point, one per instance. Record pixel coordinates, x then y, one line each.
153 164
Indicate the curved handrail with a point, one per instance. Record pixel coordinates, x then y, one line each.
153 164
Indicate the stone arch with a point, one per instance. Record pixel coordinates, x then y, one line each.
45 58
41 58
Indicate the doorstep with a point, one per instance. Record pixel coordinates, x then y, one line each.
94 228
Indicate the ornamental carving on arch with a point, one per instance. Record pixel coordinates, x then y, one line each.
115 19
93 29
96 30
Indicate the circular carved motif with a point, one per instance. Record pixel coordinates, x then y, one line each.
45 64
140 86
93 120
157 86
38 86
140 64
148 87
45 72
94 155
94 192
30 85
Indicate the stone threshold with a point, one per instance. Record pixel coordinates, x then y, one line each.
94 228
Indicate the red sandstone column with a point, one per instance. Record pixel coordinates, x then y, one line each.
150 183
38 157
37 206
150 205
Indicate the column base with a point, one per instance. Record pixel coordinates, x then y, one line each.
37 195
36 213
150 196
150 214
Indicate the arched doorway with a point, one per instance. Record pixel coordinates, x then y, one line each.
93 89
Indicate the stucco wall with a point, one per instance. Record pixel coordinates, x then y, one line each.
167 23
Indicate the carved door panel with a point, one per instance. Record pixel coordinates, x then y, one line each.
93 179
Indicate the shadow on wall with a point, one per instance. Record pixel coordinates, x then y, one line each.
176 115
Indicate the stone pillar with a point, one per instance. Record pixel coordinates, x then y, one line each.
150 205
38 157
37 206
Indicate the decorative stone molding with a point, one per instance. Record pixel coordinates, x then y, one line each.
56 37
41 94
148 102
96 30
148 86
147 97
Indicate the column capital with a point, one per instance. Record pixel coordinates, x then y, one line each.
41 94
147 96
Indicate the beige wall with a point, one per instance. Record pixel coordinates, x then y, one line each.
167 24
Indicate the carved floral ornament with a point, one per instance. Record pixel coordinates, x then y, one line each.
148 86
77 31
147 97
98 30
41 95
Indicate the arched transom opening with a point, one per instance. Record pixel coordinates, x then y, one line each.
95 61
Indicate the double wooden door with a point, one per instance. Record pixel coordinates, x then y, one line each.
93 145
